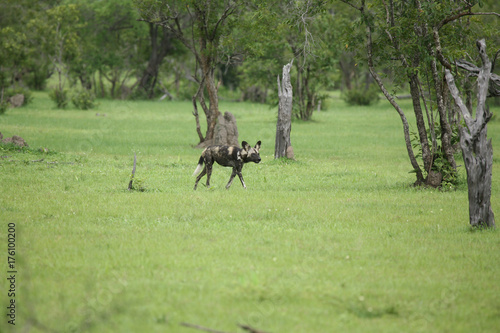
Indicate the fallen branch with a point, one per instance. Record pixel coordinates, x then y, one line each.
133 174
250 329
57 162
201 328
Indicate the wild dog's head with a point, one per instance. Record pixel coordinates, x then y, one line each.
249 154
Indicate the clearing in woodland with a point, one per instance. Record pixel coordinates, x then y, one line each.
336 241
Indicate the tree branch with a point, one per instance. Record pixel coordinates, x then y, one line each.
228 11
462 14
201 328
493 87
394 42
494 61
439 50
483 80
352 5
130 184
250 329
435 31
387 15
469 122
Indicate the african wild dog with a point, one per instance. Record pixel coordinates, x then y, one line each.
228 156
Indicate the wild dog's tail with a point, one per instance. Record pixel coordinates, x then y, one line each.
199 167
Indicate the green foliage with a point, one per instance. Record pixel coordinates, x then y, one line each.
5 94
60 97
114 43
495 101
83 99
6 148
138 184
362 96
300 30
414 43
4 105
28 96
451 177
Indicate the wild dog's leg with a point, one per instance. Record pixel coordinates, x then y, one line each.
231 179
202 173
208 166
242 181
241 177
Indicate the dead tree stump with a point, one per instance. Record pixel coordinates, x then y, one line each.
132 175
284 124
477 150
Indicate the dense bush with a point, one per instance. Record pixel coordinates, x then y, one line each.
60 97
361 96
4 105
6 94
84 99
28 98
440 164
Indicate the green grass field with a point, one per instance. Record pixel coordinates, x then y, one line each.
336 241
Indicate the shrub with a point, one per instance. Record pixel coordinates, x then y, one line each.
83 99
186 90
60 97
137 184
28 98
361 96
440 164
6 94
4 105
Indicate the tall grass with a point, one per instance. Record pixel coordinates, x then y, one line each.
336 241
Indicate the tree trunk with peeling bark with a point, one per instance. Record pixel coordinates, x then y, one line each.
477 150
284 124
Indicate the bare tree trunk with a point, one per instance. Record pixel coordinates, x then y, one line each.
477 150
310 95
478 158
419 115
446 132
347 70
284 124
213 109
197 118
101 84
148 79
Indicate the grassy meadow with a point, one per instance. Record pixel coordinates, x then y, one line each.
336 241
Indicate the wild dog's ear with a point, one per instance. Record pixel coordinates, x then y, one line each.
257 146
245 145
